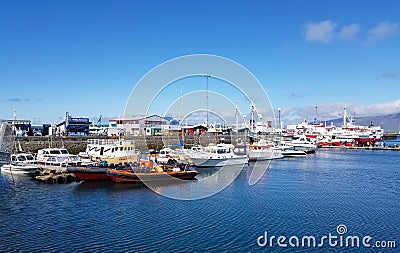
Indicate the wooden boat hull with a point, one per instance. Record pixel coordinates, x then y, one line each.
125 176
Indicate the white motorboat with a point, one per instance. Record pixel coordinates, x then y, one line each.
21 163
303 143
166 154
290 151
263 151
56 157
219 155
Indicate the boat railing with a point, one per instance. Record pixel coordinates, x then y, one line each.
110 142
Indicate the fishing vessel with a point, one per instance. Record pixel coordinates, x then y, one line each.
112 150
126 176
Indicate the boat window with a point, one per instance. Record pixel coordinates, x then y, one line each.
54 152
121 148
221 151
64 151
13 158
29 157
21 158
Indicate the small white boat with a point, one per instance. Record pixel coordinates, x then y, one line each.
304 144
21 163
56 157
164 155
219 155
263 151
290 151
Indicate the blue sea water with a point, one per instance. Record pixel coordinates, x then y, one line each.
296 197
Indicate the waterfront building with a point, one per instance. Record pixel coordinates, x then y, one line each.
143 125
73 126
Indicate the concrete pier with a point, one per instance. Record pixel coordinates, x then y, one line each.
76 144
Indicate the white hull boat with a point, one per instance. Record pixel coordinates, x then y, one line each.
21 163
290 151
218 162
266 154
19 169
219 155
263 151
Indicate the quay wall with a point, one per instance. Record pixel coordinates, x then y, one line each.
76 144
390 136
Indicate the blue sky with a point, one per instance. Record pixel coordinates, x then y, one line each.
86 56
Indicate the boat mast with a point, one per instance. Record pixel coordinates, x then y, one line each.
316 115
252 115
237 116
183 105
181 123
207 76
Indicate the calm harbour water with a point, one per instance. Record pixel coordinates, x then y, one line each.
298 196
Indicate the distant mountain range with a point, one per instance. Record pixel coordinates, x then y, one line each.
390 122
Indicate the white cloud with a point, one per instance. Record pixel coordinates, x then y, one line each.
320 31
382 31
327 31
335 110
388 75
349 31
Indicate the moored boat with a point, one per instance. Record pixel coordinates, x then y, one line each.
290 151
112 150
263 151
21 163
132 176
20 169
219 155
55 157
90 173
